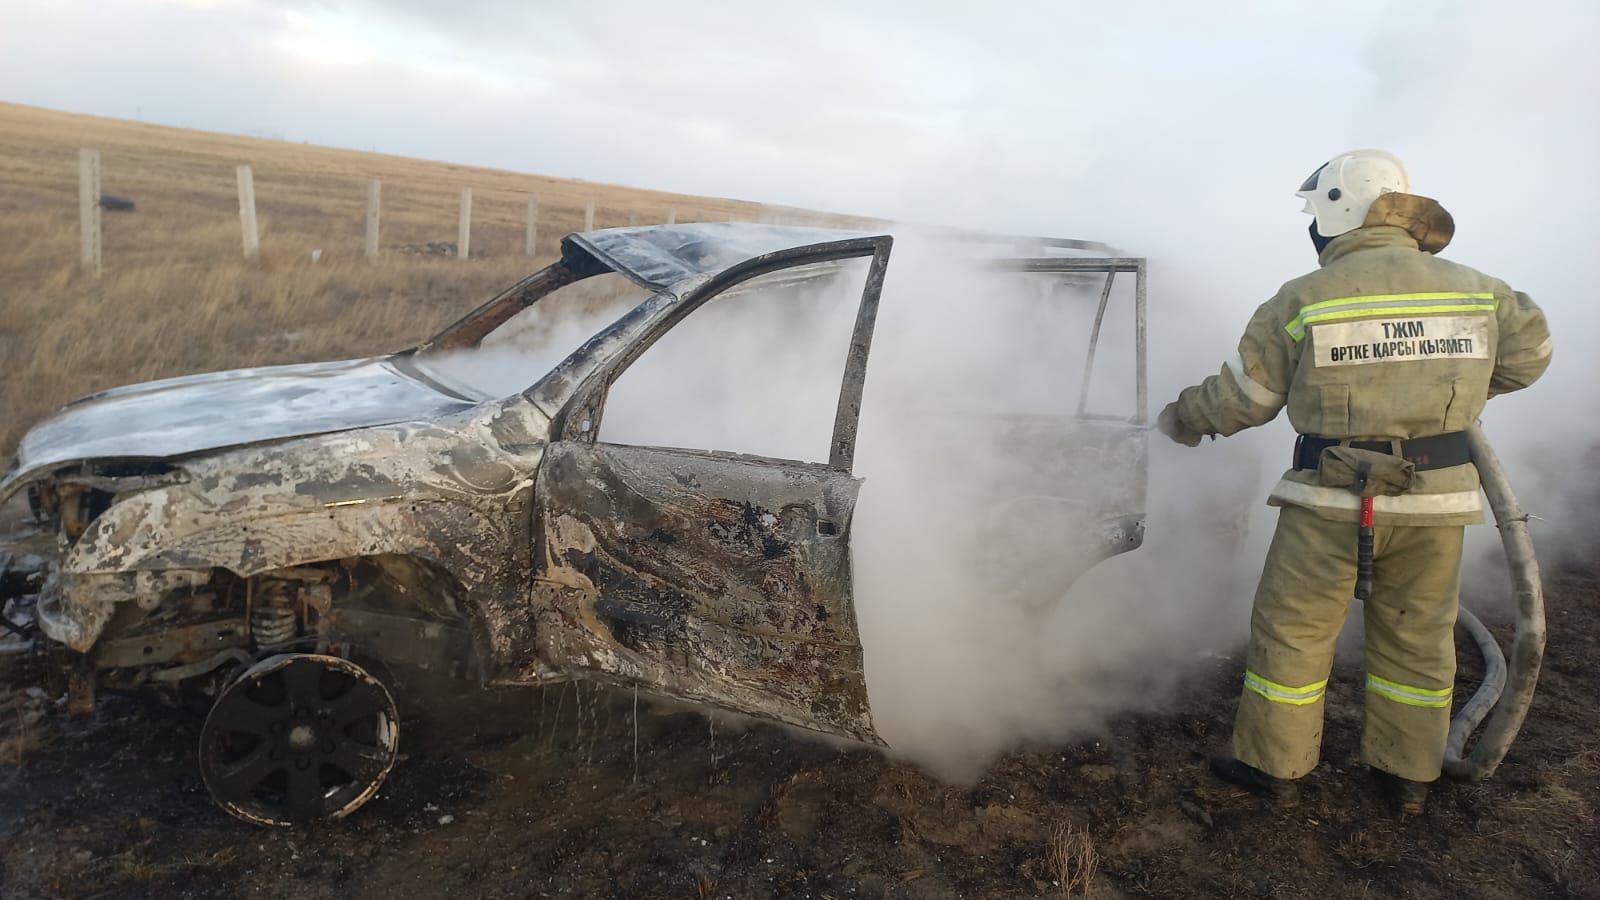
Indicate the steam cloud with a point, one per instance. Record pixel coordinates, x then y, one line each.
957 679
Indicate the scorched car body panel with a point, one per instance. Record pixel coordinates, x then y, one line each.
246 533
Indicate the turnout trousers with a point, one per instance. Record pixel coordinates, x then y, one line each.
1306 587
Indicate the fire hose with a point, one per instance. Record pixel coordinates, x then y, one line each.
1506 690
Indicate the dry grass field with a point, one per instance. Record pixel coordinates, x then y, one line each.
176 295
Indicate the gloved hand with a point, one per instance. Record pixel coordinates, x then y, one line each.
1172 425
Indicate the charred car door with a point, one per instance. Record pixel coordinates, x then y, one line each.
706 575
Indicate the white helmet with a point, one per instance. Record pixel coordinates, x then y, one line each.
1341 190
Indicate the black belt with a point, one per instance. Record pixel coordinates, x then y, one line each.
1441 451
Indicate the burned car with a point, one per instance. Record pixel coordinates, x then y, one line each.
266 534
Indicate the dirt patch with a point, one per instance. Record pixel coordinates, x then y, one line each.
540 794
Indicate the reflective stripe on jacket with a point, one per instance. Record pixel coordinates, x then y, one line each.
1384 341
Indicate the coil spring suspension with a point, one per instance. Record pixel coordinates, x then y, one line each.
273 620
273 625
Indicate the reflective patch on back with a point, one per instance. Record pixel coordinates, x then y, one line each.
1400 339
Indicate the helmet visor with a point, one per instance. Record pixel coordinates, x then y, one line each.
1311 183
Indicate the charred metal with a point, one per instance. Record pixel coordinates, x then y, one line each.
251 534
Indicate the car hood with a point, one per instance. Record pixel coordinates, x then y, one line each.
183 416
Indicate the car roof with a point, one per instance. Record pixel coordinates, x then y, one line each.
657 256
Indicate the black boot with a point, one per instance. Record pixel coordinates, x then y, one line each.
1252 779
1403 795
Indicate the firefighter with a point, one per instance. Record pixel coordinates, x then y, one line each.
1384 356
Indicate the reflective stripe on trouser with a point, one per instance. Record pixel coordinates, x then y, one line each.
1411 649
1305 591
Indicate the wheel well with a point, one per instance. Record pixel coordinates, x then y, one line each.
394 608
398 609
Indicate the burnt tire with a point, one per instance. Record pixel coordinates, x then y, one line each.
297 738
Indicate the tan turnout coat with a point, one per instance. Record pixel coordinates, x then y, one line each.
1384 341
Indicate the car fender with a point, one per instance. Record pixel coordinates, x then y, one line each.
421 491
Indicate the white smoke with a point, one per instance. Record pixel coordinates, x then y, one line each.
1522 193
960 667
1492 109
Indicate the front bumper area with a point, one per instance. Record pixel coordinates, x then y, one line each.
74 607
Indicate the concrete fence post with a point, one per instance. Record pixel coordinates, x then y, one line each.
89 208
374 213
247 213
672 217
588 217
531 243
633 218
464 234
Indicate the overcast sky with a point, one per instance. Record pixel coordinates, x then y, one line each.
1053 116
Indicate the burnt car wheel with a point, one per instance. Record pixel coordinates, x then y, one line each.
297 738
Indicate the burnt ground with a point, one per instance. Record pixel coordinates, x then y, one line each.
532 794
